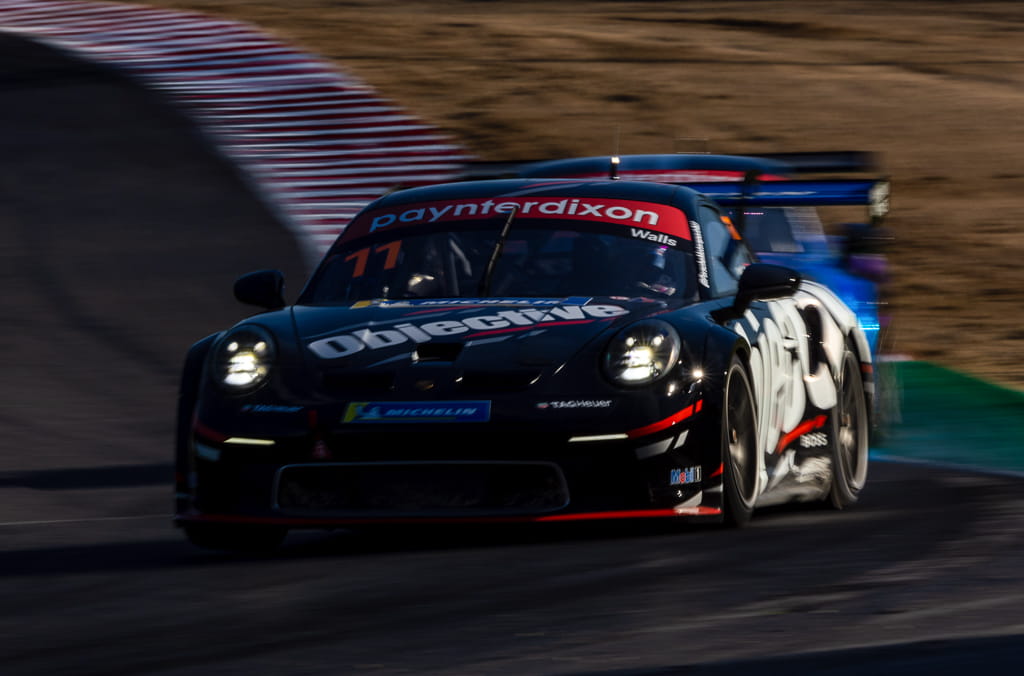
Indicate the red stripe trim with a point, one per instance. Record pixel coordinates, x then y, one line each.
667 422
208 433
551 518
632 514
802 429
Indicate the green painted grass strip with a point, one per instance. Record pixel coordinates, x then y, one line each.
948 417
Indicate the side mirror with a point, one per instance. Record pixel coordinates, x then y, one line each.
263 288
761 281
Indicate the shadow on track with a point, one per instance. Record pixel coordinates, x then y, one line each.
993 654
122 231
156 474
168 549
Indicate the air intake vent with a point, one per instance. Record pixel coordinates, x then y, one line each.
355 382
433 351
498 381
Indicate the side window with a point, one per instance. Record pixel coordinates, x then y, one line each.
726 255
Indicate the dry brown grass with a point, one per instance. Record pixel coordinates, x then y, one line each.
936 87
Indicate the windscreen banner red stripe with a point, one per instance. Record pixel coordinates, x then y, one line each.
630 213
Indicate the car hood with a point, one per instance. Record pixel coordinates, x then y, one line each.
495 333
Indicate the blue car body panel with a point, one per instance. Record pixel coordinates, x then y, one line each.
737 182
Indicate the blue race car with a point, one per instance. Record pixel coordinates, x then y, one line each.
777 215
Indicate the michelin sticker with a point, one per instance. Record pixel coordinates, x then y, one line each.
417 412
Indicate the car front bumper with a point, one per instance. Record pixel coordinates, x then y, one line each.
452 473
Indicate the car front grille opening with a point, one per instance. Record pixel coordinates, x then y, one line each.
498 381
421 489
355 382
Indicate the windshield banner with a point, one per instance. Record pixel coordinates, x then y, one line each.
629 213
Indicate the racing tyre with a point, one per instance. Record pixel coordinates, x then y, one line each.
739 447
850 435
238 538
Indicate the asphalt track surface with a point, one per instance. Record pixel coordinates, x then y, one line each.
121 234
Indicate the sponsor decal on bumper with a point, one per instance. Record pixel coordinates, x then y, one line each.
685 475
574 404
417 412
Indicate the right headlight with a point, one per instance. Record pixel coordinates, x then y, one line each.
243 358
642 353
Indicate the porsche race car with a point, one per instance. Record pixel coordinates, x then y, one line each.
526 350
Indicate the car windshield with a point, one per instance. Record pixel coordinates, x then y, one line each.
537 259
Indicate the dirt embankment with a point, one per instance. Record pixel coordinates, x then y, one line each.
936 87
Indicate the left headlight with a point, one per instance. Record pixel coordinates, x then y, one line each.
642 353
243 358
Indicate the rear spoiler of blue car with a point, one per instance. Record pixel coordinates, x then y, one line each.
766 180
826 162
873 193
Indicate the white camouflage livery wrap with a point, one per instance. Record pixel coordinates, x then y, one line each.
786 377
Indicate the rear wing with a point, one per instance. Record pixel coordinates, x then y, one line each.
826 162
872 193
733 181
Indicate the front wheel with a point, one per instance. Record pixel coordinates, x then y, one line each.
235 537
739 447
850 443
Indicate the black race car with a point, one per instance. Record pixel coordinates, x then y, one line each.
528 350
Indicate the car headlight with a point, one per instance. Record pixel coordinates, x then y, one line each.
642 353
244 358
